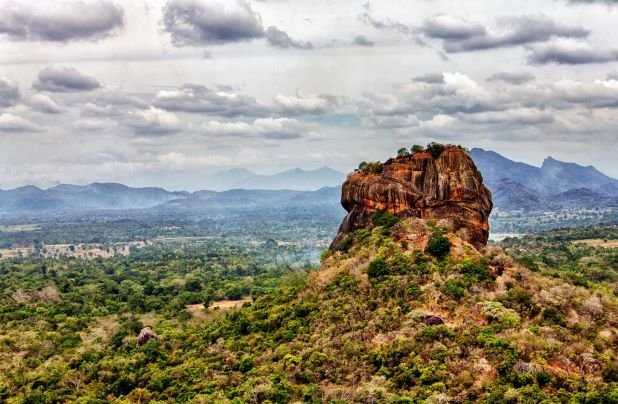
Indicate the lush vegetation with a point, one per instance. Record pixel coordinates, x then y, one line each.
536 326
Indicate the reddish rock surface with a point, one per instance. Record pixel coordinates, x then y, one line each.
448 187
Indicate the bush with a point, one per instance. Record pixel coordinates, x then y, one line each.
435 149
377 268
417 148
475 272
551 316
402 264
325 255
495 311
402 152
373 167
384 219
438 245
454 288
346 243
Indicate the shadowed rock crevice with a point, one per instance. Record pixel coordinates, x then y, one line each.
448 188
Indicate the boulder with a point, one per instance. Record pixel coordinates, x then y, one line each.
430 319
145 335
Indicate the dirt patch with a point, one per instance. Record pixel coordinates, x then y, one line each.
229 304
597 242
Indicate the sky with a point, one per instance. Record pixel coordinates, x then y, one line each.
165 93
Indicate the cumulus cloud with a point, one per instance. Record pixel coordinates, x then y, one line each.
210 22
511 77
198 98
268 128
460 35
430 78
361 40
91 125
61 22
310 104
43 103
368 18
15 123
64 79
280 39
570 53
153 121
103 111
9 92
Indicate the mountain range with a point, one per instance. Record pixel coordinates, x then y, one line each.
296 179
554 186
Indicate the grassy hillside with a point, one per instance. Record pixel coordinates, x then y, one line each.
364 328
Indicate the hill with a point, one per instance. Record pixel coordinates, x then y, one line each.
87 197
295 179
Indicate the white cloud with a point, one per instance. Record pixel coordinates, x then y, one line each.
43 103
14 123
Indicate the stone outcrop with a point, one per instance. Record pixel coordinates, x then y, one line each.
448 188
145 335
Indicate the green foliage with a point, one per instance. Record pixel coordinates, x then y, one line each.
435 149
377 268
417 148
402 152
373 167
325 255
385 219
438 245
496 312
553 317
346 243
307 336
474 271
434 333
453 288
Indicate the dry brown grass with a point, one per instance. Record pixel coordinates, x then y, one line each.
228 304
597 242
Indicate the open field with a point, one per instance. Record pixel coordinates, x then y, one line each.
87 251
597 242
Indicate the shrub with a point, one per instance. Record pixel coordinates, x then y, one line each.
473 271
363 166
346 243
433 333
402 152
374 167
325 255
529 263
495 311
454 288
438 245
519 300
417 148
401 264
551 316
435 149
377 268
384 219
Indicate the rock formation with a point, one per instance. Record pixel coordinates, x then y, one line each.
448 188
145 335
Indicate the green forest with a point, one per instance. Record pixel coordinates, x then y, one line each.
386 320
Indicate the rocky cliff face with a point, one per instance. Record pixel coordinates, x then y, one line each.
448 188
